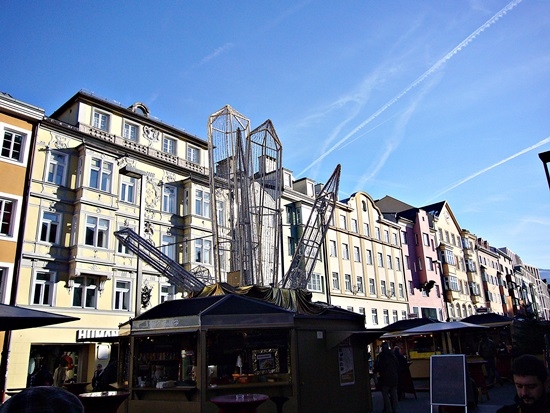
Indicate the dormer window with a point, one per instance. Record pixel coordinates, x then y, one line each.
100 121
131 131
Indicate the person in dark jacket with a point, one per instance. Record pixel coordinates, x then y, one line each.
387 368
530 377
403 372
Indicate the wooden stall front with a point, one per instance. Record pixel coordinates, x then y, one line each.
179 355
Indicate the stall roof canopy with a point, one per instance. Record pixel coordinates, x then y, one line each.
238 308
295 300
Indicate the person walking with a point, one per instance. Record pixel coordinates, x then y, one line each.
530 377
387 368
488 351
402 373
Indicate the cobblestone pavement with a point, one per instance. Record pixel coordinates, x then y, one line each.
498 396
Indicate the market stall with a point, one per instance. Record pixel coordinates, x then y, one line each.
180 355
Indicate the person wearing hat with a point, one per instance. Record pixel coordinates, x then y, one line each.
530 378
43 399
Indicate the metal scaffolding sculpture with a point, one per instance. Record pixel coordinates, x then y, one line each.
309 246
166 266
245 183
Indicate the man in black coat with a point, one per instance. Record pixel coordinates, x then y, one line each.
387 367
530 377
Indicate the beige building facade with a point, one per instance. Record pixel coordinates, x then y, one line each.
99 167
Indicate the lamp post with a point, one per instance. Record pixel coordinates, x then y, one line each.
545 158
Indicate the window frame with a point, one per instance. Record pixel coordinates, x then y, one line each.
85 287
191 149
169 198
22 151
125 292
97 123
48 284
128 189
102 174
100 233
169 145
132 126
57 225
53 166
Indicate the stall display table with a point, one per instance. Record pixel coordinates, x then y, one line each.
239 403
102 401
76 388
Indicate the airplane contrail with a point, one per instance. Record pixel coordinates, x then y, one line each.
530 148
419 80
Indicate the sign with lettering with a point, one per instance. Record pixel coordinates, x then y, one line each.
94 334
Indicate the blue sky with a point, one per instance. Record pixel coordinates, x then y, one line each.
420 100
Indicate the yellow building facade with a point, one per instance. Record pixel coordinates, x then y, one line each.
99 167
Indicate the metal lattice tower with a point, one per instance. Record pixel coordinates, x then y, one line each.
245 182
309 246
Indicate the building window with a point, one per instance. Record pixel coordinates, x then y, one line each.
426 239
453 283
345 252
168 246
386 317
407 262
7 210
390 262
49 229
335 281
374 313
193 154
362 310
411 288
202 203
403 315
383 289
403 238
343 223
169 145
392 289
356 254
97 232
167 292
85 292
369 257
377 232
401 291
122 295
380 260
395 316
43 287
128 189
398 263
12 145
372 286
333 250
220 211
203 249
395 240
169 199
57 167
354 227
360 286
315 283
101 174
387 236
130 131
121 248
100 121
347 282
366 229
437 291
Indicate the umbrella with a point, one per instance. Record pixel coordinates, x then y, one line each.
441 327
410 323
17 318
489 320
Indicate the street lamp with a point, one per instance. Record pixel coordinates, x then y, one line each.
545 158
